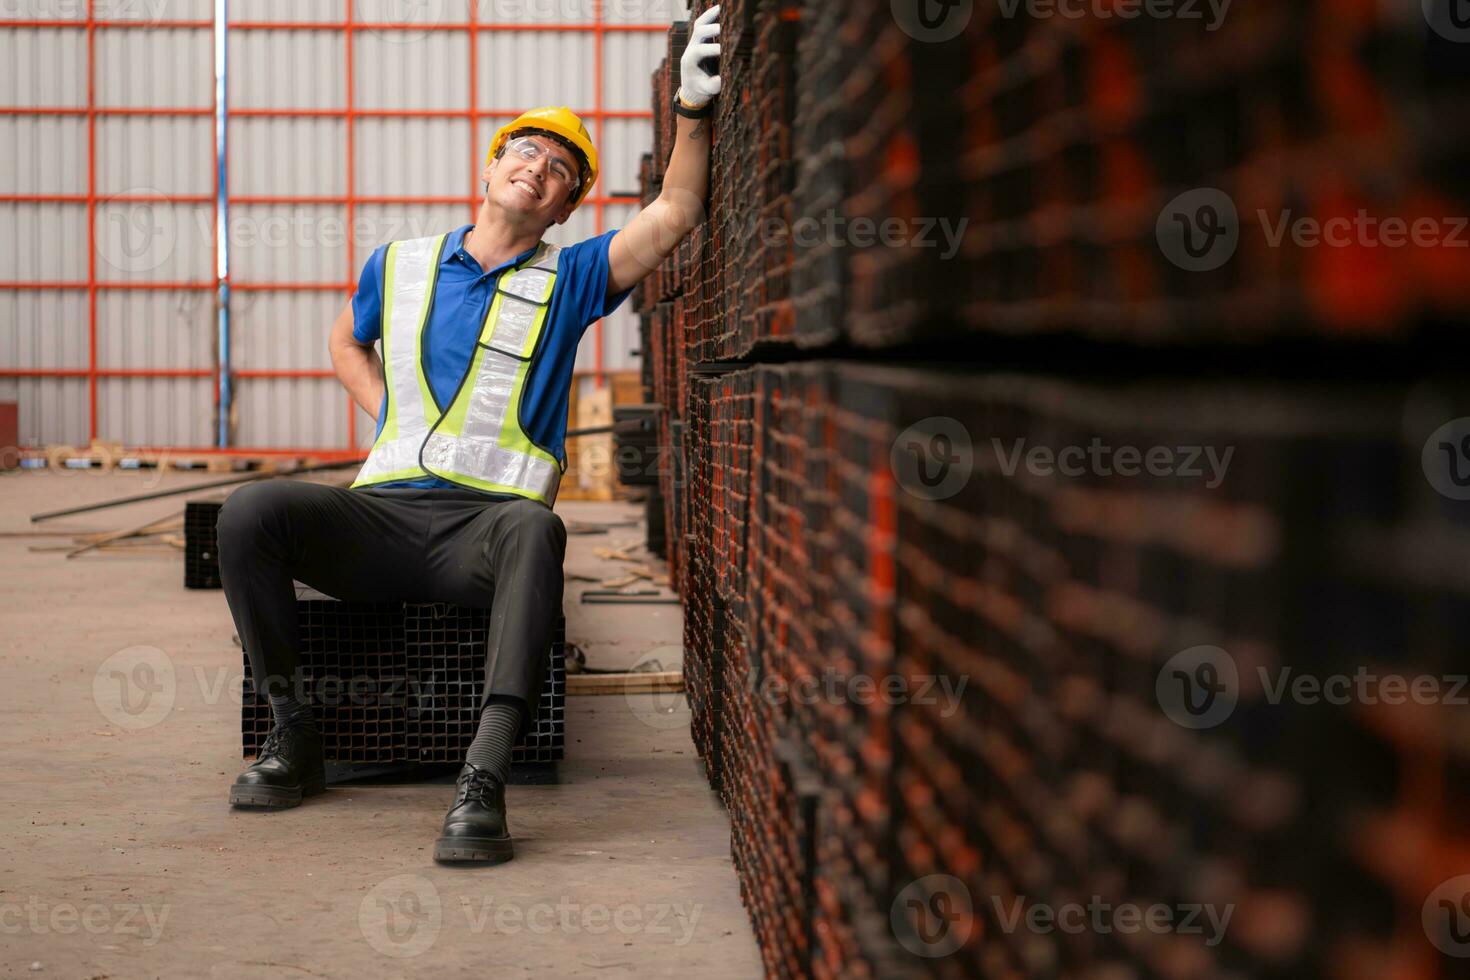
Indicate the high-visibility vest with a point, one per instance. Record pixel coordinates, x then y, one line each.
477 440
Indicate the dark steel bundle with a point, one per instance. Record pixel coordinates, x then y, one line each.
727 457
668 373
1081 135
1029 620
201 552
704 678
635 444
819 276
401 682
1059 601
769 267
732 190
703 611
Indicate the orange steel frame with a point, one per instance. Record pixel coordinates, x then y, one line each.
350 114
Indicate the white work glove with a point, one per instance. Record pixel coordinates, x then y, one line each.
696 85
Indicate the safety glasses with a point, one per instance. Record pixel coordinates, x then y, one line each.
528 149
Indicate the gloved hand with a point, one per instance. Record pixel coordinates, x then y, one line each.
697 85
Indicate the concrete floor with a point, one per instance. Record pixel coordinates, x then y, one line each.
119 856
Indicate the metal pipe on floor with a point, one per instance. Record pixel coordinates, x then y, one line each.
316 468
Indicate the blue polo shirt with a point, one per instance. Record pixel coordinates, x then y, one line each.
462 296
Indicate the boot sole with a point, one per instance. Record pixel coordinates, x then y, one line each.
473 850
274 797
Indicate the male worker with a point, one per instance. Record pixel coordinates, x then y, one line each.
479 331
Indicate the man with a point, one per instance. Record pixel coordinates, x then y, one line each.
479 330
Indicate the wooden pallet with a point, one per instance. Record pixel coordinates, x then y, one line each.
113 456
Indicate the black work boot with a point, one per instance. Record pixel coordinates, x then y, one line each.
288 767
474 827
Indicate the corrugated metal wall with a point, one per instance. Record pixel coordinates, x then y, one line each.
352 122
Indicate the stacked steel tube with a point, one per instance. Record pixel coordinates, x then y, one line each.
201 544
1033 612
393 682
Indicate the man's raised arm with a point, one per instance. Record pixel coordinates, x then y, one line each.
647 240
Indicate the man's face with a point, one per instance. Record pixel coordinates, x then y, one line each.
537 187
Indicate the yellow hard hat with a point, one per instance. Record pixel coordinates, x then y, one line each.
556 120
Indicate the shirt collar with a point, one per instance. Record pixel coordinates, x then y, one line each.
455 249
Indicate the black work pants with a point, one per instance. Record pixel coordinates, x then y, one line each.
429 545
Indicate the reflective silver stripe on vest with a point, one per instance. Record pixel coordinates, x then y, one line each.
524 293
477 450
411 262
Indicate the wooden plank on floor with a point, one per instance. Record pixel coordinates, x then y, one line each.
645 682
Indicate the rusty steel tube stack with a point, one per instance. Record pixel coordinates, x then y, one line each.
1059 522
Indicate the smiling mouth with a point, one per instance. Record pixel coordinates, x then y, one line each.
530 191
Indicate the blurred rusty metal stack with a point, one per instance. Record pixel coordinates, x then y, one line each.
1070 136
1064 599
704 618
775 175
1059 602
818 274
728 459
723 331
734 269
668 395
1002 554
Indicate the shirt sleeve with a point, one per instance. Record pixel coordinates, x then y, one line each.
586 271
367 302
